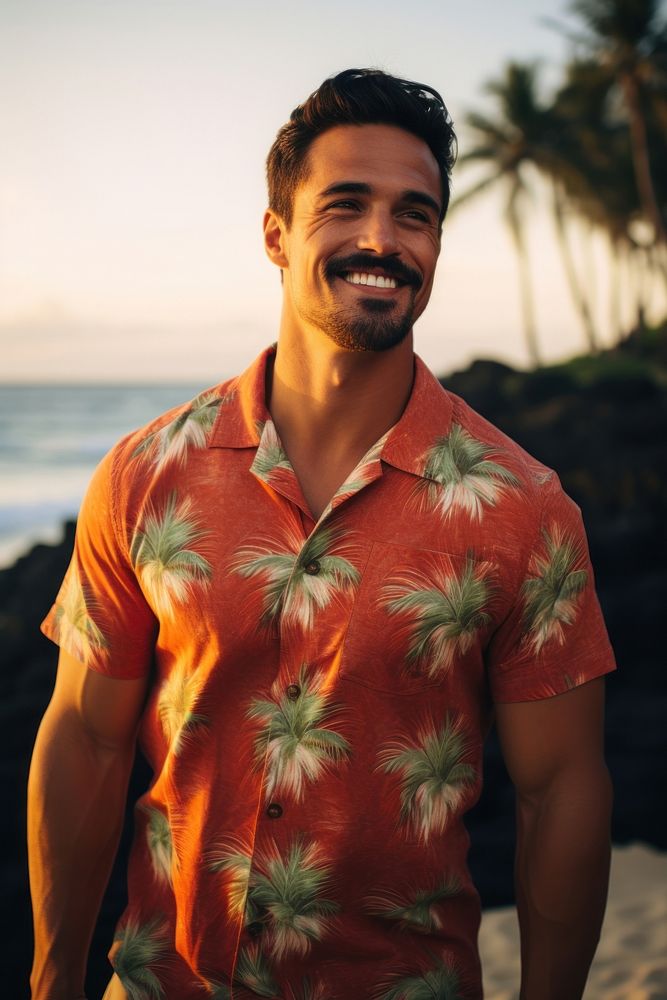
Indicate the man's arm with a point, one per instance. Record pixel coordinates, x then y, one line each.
553 749
76 797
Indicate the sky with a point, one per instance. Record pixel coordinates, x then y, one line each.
134 136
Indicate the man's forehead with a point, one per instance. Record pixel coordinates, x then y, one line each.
370 152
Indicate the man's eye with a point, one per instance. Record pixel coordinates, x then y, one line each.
345 203
415 213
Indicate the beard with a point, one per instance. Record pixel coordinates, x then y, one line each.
373 327
375 324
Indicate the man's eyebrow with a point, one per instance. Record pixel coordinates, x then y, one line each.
346 187
359 187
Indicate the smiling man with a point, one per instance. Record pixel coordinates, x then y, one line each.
309 591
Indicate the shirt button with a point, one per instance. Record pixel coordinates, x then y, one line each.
255 928
275 810
293 691
312 568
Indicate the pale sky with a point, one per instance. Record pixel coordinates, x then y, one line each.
134 135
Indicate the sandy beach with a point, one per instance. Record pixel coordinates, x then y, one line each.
631 960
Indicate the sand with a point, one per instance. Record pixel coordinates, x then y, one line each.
631 960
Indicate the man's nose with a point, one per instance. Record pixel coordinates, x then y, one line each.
378 233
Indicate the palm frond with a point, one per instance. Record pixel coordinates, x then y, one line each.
253 972
434 776
550 594
158 837
419 909
440 983
140 946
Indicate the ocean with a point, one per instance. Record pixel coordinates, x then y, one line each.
51 439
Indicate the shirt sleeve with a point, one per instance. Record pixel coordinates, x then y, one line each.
554 637
100 615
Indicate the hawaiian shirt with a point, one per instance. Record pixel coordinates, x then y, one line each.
320 690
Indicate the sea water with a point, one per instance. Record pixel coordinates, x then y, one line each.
51 439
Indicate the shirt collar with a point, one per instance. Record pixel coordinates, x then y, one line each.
243 411
428 415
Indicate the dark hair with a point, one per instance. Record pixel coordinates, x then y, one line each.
358 97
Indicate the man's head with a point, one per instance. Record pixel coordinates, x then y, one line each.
358 188
358 97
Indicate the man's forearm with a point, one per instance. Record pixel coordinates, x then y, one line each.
76 798
562 873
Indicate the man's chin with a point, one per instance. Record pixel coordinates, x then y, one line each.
369 335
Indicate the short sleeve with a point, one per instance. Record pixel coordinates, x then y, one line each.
554 637
100 615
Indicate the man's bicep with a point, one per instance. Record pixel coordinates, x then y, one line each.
106 709
543 739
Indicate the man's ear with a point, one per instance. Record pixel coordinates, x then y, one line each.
274 238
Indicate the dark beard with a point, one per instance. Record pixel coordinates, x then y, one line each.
376 331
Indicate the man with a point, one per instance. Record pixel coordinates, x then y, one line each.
308 591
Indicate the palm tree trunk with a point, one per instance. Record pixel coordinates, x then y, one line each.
527 301
640 156
571 273
615 320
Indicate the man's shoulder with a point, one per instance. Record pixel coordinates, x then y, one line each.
534 474
166 442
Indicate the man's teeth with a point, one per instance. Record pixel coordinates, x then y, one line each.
377 280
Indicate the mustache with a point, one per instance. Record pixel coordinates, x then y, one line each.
365 262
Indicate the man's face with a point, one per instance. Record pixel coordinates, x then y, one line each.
364 240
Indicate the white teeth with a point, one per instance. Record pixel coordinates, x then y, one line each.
376 280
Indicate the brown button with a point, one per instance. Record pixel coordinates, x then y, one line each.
293 691
255 928
312 568
275 810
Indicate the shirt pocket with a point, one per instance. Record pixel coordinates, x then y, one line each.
419 615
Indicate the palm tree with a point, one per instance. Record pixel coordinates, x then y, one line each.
236 862
187 430
270 454
439 983
551 593
461 464
159 551
252 971
299 746
175 707
286 893
504 144
434 776
77 632
140 946
158 836
419 910
301 578
445 613
629 38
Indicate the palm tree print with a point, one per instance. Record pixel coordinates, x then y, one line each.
175 707
418 911
434 776
290 588
161 553
236 862
362 474
309 991
252 971
445 612
158 837
141 945
77 632
270 454
440 983
551 592
187 430
286 894
298 745
461 475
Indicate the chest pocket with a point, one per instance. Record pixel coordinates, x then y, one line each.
419 616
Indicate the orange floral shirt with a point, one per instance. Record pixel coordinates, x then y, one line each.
319 691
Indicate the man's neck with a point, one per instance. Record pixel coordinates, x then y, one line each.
330 406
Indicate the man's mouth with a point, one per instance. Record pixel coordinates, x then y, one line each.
374 280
